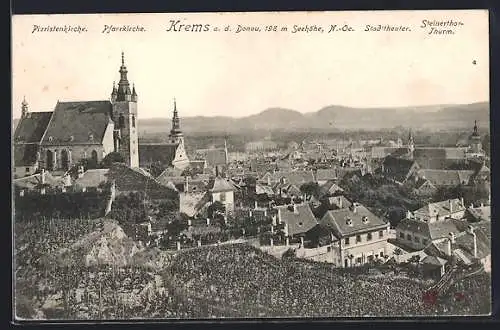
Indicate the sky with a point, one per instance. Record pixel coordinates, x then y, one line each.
239 74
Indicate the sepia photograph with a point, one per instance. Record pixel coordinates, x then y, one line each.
252 165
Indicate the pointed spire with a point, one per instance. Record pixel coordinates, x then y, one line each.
123 92
133 90
24 107
176 126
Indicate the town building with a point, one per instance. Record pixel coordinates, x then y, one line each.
79 130
221 190
361 236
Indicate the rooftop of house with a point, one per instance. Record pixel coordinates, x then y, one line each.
348 221
34 181
219 184
298 217
157 152
441 208
431 230
92 178
446 177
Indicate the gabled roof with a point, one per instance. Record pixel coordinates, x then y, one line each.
32 181
157 152
446 177
431 230
330 188
191 204
263 189
92 178
338 221
219 184
441 208
465 242
479 213
31 128
434 261
398 168
298 178
338 202
298 222
82 122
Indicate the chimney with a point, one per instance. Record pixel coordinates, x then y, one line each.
190 222
295 209
450 203
208 221
42 176
471 231
269 180
279 215
340 202
354 207
255 205
448 251
408 214
462 201
186 184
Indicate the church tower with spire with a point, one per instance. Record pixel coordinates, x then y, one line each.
475 141
124 100
411 145
180 159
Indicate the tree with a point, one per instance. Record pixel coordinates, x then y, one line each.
311 189
113 157
216 210
398 251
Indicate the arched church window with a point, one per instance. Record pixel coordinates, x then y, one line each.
133 120
121 121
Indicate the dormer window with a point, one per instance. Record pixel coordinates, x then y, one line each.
365 219
348 221
51 139
91 137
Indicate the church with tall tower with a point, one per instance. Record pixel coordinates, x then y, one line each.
78 130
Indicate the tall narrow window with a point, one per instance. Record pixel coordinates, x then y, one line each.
133 121
121 121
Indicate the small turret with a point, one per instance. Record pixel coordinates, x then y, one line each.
134 94
24 108
114 93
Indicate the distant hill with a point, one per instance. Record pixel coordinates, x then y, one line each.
333 118
330 118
